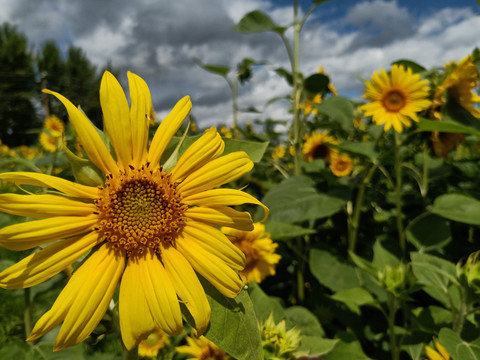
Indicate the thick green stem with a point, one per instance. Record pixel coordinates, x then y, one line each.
235 105
392 309
425 171
398 195
27 311
459 319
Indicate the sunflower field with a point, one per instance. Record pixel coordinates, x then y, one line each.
350 233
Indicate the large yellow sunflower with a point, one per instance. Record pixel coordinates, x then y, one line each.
151 230
395 98
316 146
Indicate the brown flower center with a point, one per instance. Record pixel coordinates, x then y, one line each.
321 151
394 101
140 209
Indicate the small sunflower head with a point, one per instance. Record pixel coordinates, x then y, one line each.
341 165
316 146
278 343
154 342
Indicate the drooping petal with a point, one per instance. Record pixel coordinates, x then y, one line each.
89 137
47 262
160 294
168 127
92 297
221 216
219 274
43 206
43 180
188 287
141 109
215 242
215 173
136 321
116 117
30 234
208 147
218 197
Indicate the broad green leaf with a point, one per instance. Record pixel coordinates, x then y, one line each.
296 199
382 257
339 109
303 319
365 265
264 305
354 298
347 348
433 271
458 207
316 345
316 83
429 232
84 171
233 325
445 126
458 348
285 231
216 69
254 150
331 272
287 75
416 68
366 149
415 351
257 21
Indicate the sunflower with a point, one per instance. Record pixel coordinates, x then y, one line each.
316 146
202 349
51 134
150 229
341 165
259 250
150 346
54 126
278 152
439 354
309 105
395 98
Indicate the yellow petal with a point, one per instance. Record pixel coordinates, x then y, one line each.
218 197
47 262
89 137
136 321
160 294
60 308
208 147
139 116
188 287
116 118
92 298
43 180
43 206
432 354
215 242
168 127
217 172
221 216
219 274
30 234
441 349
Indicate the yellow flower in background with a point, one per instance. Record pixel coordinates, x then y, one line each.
51 136
316 146
54 126
278 152
341 165
291 150
26 152
309 105
331 87
439 354
225 132
259 250
152 229
396 98
202 349
459 83
150 346
443 143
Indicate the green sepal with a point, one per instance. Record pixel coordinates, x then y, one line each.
85 171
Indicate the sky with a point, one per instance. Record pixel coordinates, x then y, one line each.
159 40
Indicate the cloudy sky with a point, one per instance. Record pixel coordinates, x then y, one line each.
159 40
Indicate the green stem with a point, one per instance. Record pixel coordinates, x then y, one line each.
425 171
297 125
398 194
392 309
235 105
27 311
459 320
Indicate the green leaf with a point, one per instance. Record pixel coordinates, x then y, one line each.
287 75
416 68
303 319
429 232
331 272
454 112
172 160
316 345
339 109
365 265
458 207
347 348
445 126
366 149
254 149
433 271
295 199
382 257
264 305
354 298
233 325
458 348
316 83
257 21
284 231
84 171
216 69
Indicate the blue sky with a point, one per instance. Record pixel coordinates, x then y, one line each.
160 39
